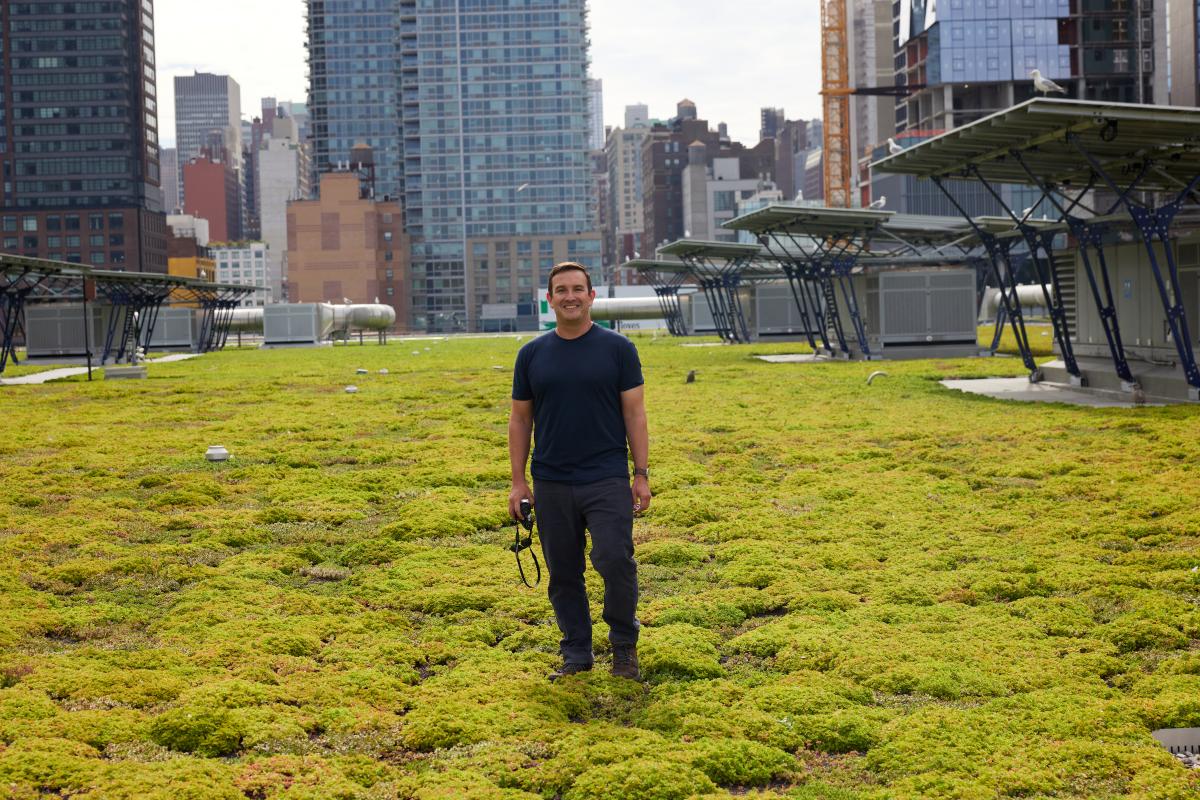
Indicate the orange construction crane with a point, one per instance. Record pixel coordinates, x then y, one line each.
835 92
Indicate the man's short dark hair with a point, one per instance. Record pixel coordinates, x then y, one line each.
567 266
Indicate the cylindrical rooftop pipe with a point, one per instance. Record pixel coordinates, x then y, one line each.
363 317
346 318
1030 295
629 308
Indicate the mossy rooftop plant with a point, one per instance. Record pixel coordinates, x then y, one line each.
848 591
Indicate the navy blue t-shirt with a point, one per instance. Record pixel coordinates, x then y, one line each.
575 386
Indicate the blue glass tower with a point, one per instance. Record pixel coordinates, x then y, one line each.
974 57
352 62
494 147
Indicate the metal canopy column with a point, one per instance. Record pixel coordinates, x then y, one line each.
1089 234
230 298
666 284
1155 223
999 252
1040 245
135 308
719 267
724 282
14 289
819 250
832 260
799 281
668 301
1148 156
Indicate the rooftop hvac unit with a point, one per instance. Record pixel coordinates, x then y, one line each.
297 323
56 330
174 329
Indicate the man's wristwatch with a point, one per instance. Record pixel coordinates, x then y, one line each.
643 471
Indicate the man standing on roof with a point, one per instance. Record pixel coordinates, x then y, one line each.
580 388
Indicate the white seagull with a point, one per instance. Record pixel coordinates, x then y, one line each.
522 188
1045 85
894 148
880 203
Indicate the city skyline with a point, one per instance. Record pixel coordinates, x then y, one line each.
265 53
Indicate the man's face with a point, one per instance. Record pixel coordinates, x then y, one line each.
570 297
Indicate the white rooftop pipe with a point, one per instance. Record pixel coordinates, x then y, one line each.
625 308
346 318
363 317
1030 295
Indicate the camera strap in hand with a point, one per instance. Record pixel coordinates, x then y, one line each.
521 543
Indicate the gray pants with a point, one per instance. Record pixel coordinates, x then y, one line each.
605 509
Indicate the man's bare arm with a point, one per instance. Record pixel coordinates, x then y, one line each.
520 433
633 409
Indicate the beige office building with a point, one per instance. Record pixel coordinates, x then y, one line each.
347 246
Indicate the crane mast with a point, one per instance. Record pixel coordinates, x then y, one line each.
835 93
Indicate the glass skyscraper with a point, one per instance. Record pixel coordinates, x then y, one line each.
477 112
79 134
352 62
494 143
974 57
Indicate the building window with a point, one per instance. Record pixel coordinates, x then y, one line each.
72 222
10 224
387 236
53 223
96 240
389 291
96 257
116 221
116 240
31 242
96 222
29 224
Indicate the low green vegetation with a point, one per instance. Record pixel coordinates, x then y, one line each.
849 592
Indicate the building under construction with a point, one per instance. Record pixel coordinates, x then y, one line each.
973 57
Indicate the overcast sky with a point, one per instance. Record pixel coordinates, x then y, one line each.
730 58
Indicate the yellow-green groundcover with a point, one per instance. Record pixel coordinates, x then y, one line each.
848 591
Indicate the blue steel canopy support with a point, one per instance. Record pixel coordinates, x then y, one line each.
13 293
217 316
851 298
668 302
731 283
832 261
728 280
209 303
232 299
1090 236
135 310
799 284
666 283
1042 258
1155 224
711 294
819 292
720 286
998 252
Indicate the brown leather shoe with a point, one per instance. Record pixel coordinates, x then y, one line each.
569 669
625 662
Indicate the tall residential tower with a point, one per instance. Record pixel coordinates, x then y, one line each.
79 134
208 120
496 179
352 92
